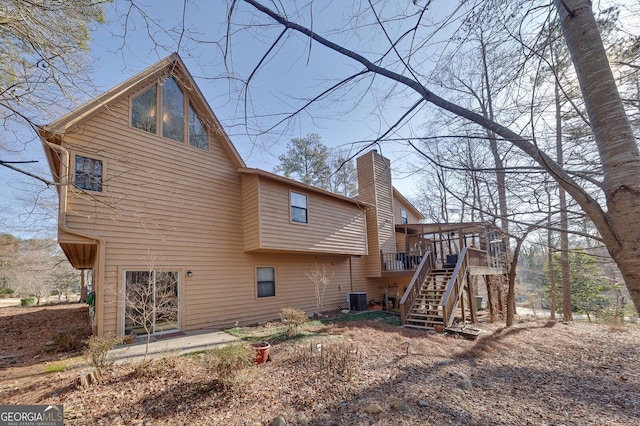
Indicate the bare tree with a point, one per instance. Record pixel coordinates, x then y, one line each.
150 301
43 74
320 279
617 218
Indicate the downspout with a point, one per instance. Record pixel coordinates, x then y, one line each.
62 216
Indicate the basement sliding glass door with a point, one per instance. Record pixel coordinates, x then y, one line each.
151 302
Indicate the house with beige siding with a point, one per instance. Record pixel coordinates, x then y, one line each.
155 200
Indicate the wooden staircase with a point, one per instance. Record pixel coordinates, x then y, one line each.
434 295
426 311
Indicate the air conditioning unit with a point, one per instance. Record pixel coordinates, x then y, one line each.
357 301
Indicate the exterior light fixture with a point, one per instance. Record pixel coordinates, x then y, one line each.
189 273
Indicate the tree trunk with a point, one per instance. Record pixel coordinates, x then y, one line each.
564 220
552 277
501 179
614 138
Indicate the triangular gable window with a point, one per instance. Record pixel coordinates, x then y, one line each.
178 114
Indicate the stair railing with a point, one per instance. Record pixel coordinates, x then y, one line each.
454 287
417 281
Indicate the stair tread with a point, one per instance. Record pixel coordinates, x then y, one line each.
423 321
427 318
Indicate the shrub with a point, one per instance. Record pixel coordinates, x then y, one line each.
28 301
6 292
150 368
293 318
97 352
70 338
228 363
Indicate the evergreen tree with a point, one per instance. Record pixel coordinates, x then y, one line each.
588 283
306 160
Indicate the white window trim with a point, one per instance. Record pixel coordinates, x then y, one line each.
291 207
275 290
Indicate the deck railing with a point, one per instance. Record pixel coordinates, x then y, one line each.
411 293
402 261
466 258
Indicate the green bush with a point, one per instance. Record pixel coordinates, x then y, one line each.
228 363
6 292
293 319
28 301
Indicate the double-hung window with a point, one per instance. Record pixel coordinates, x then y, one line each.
299 208
266 278
88 173
404 217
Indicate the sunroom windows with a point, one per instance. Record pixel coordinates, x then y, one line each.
177 120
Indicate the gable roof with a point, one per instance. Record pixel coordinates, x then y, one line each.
303 186
172 65
408 204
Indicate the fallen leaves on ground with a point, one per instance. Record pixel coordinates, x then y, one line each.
535 373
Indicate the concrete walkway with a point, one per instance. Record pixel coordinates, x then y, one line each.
176 344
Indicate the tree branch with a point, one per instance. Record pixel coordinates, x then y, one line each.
588 203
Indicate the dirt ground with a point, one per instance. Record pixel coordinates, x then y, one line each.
536 373
26 331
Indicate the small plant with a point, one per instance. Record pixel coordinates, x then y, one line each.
228 363
329 360
150 368
70 338
97 352
293 319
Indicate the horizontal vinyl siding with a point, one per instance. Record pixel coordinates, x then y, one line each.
367 193
169 206
251 212
334 226
399 205
384 203
225 292
164 205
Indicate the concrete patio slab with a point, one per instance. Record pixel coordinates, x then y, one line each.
173 344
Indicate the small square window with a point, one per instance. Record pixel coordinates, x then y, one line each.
299 208
403 215
266 278
88 174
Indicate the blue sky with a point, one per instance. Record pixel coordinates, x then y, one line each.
293 72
